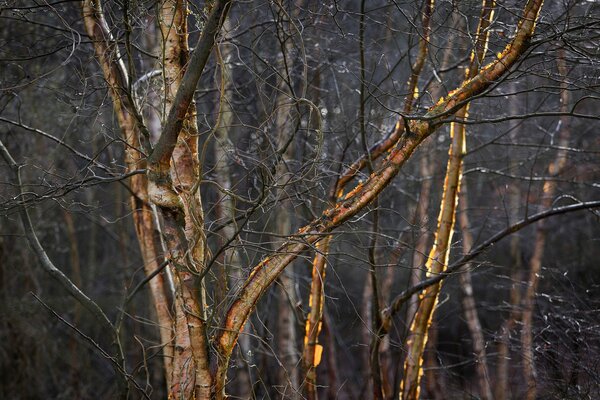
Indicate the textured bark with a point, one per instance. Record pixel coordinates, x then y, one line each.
535 263
116 77
160 158
421 219
162 296
312 350
264 274
469 304
173 186
436 263
182 212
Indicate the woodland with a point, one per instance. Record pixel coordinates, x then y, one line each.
295 199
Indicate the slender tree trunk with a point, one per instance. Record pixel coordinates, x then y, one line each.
76 357
438 257
424 236
267 271
535 264
230 262
436 263
177 196
502 390
433 379
469 304
333 384
289 374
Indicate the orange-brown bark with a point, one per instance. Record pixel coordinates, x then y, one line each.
436 262
263 274
184 218
313 323
116 77
438 256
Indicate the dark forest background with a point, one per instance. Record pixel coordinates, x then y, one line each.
57 121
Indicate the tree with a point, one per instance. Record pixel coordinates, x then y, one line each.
228 126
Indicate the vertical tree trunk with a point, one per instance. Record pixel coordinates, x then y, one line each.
502 390
469 305
182 213
333 384
289 374
230 261
424 236
116 77
535 264
438 257
433 379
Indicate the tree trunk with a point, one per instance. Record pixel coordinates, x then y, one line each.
502 388
117 79
285 125
469 305
438 257
535 264
230 261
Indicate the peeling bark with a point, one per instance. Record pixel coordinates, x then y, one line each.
116 77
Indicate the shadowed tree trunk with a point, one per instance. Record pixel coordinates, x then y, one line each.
502 389
469 304
231 264
535 264
286 122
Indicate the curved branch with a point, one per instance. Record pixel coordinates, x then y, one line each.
263 275
400 299
61 278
